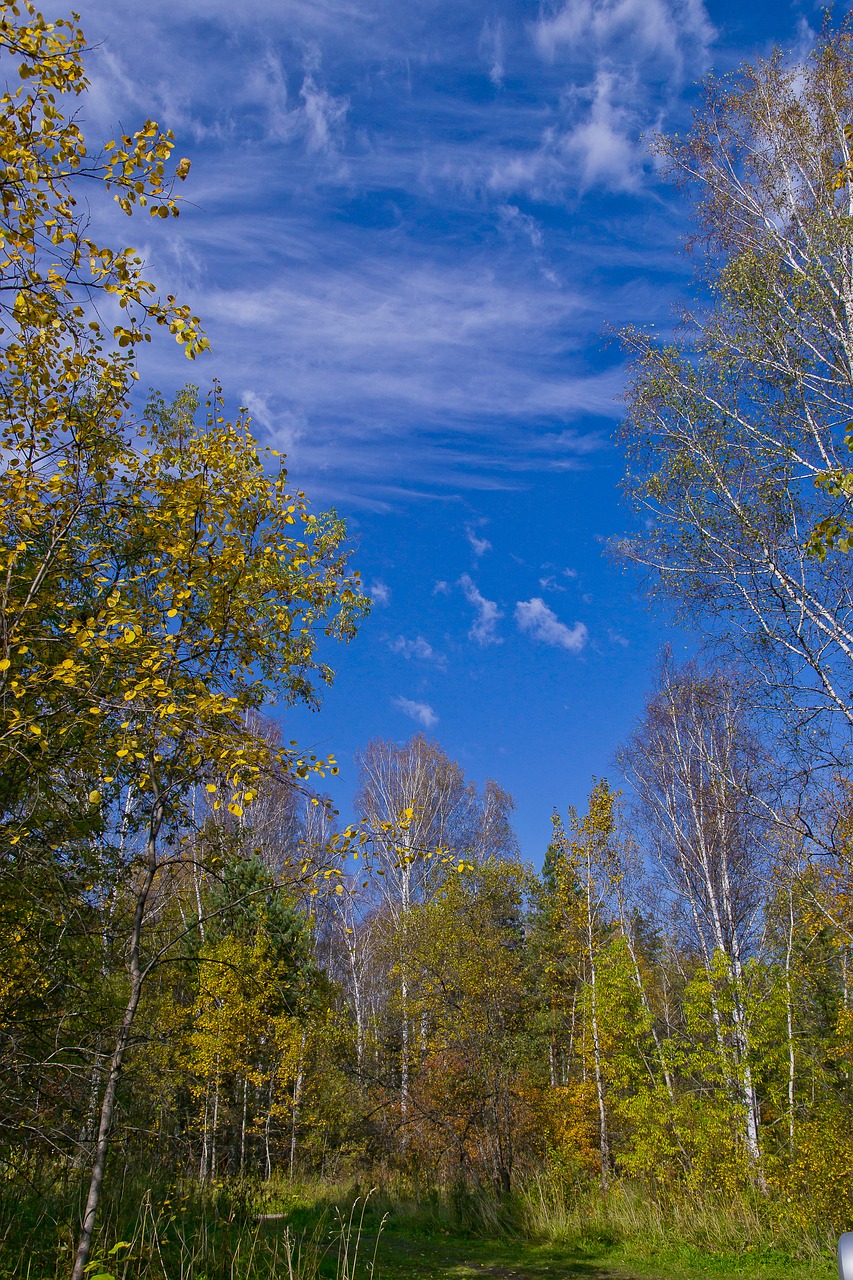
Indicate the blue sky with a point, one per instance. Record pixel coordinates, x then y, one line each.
409 228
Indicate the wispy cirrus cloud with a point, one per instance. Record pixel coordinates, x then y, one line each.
478 545
488 615
551 581
626 61
452 357
421 712
396 285
540 622
419 648
324 116
491 49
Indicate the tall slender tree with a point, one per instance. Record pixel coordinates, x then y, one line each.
696 772
738 430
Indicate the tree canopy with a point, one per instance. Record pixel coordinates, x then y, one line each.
739 429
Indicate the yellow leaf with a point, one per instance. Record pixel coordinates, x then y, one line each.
5 664
211 786
94 797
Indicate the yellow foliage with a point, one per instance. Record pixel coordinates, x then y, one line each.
818 1182
570 1120
88 619
49 266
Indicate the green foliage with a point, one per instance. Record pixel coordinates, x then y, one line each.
245 903
591 1060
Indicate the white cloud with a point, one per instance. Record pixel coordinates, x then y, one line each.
441 588
551 572
625 62
351 330
287 427
422 712
379 593
492 51
668 32
478 545
417 648
596 142
319 120
534 617
444 347
324 116
512 219
616 637
489 615
265 85
606 145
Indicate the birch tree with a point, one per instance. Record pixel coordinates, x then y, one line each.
738 429
586 870
695 771
420 807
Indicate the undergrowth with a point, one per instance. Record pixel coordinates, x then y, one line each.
240 1230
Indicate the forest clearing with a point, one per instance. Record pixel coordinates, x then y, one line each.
252 1027
323 1232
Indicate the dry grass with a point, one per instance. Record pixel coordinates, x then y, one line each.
630 1214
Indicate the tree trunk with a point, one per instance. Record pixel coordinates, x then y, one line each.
789 1016
297 1098
404 1055
404 1002
202 1172
137 978
644 1001
215 1125
268 1122
599 1082
243 1126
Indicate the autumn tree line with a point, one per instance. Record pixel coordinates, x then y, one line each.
667 1002
199 972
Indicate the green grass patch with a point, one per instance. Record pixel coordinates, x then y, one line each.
282 1231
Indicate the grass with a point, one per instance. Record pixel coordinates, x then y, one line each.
544 1234
280 1231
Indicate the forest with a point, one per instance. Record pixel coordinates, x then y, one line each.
239 1036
